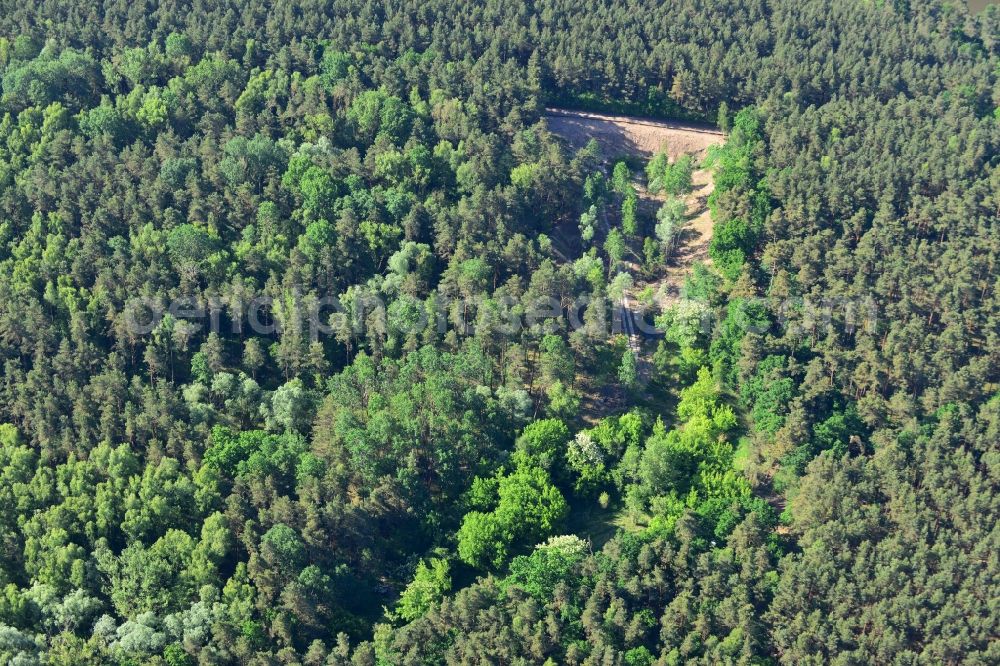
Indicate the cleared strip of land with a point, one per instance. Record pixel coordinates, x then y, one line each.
629 135
622 136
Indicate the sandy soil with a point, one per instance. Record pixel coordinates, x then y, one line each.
694 241
624 135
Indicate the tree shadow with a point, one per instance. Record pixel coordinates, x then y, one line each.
613 140
689 248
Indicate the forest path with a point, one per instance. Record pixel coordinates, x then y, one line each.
638 137
692 247
694 239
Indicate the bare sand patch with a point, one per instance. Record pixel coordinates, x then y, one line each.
627 135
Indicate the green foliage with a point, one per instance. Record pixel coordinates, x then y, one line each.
689 467
621 178
732 242
254 160
734 238
70 77
528 509
588 462
548 565
564 402
153 579
768 395
430 583
190 245
630 208
932 470
671 219
687 323
543 444
671 178
742 317
735 161
614 245
291 408
556 361
282 545
701 285
834 434
628 375
106 120
482 541
283 459
666 464
178 46
374 112
9 436
335 64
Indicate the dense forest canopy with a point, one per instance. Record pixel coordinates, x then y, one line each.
312 350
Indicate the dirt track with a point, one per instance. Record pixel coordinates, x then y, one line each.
622 136
626 135
693 246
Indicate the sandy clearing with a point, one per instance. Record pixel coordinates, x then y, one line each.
628 135
625 135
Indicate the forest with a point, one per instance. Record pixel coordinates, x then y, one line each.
313 352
